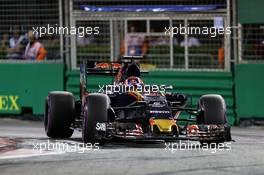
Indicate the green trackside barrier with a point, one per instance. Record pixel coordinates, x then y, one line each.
249 91
249 13
193 83
25 85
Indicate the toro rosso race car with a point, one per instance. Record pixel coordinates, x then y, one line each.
129 109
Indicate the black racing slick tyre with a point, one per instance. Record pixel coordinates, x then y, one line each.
95 111
212 110
59 114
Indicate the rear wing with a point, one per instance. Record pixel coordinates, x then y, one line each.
112 70
109 71
132 58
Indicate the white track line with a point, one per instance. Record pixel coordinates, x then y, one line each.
29 155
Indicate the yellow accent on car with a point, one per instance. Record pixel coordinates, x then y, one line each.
164 125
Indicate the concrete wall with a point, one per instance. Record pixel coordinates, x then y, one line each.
250 11
27 85
249 91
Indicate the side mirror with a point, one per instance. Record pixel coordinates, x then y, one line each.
168 87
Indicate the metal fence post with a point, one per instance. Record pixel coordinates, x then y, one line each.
227 39
240 39
186 52
111 41
60 24
72 40
171 47
125 38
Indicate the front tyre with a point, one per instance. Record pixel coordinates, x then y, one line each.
59 114
95 111
212 111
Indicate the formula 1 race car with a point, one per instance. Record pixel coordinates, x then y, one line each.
131 110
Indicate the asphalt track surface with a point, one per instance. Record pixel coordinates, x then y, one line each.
20 153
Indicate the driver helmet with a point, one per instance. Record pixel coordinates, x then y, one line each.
133 81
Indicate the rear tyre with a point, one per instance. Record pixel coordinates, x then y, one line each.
95 111
212 111
59 114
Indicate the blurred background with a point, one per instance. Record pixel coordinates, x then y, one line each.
231 65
